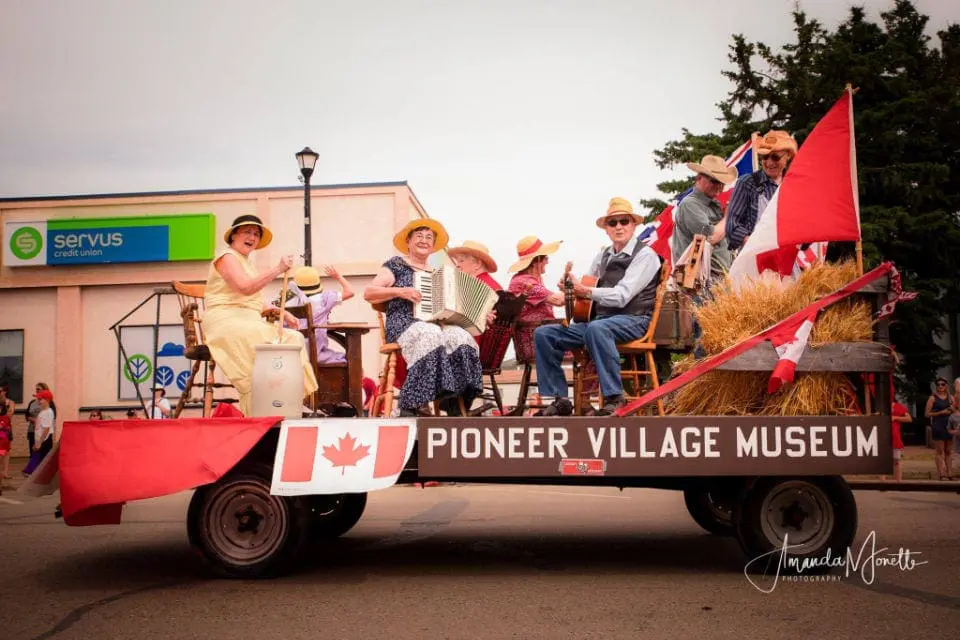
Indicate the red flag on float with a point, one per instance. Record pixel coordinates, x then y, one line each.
817 201
790 341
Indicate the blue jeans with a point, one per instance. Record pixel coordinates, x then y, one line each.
599 336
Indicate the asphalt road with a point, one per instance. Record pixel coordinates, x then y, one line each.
477 561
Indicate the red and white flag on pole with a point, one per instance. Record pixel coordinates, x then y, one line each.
816 202
790 341
346 455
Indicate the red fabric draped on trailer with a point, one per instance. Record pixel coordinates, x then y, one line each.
104 464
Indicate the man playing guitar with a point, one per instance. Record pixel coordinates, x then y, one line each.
627 274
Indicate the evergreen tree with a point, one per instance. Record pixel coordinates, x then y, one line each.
907 121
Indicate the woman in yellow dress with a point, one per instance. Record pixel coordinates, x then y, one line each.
233 301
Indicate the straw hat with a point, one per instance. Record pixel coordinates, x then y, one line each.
618 206
308 280
266 236
478 251
716 168
400 240
774 141
529 248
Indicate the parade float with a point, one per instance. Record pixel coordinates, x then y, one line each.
759 435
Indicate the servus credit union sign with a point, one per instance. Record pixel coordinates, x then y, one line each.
72 241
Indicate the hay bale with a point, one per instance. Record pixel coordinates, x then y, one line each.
733 316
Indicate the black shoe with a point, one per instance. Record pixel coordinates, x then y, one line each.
408 413
610 405
559 407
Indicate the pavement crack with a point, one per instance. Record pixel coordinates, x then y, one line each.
76 615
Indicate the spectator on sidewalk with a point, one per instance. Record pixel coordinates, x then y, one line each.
898 415
46 431
160 407
953 428
33 409
938 409
6 429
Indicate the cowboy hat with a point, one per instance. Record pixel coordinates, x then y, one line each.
478 251
442 237
308 280
774 141
619 206
529 248
266 236
716 168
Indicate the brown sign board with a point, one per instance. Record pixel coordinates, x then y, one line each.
653 446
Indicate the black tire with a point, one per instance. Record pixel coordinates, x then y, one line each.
241 531
333 516
816 515
711 507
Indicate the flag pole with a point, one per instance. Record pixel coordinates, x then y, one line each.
753 148
859 247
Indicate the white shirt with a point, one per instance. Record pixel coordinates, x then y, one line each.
156 413
46 424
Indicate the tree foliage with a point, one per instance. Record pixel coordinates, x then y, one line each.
907 121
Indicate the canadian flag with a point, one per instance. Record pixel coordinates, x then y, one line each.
790 341
349 455
816 202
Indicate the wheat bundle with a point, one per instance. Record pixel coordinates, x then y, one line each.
733 316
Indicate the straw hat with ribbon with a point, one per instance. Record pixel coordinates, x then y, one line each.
774 141
442 237
266 236
716 168
529 248
618 207
478 251
308 280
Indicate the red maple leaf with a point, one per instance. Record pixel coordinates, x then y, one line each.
345 453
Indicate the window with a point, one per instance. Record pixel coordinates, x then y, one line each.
11 362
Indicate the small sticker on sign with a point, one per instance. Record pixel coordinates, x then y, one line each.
582 467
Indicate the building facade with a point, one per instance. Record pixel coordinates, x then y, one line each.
74 267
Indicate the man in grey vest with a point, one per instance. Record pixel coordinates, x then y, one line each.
628 274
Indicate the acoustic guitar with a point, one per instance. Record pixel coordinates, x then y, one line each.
577 309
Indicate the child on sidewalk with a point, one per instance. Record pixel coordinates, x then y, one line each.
898 415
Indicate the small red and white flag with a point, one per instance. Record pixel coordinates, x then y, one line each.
790 341
895 295
816 202
347 455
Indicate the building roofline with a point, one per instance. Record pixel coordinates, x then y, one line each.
194 192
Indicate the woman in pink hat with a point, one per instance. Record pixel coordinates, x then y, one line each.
529 268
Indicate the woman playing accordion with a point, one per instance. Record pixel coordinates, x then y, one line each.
442 362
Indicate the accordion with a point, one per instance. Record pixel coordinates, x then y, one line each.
450 296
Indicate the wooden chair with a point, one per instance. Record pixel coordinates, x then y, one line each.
190 298
305 312
586 384
383 400
493 347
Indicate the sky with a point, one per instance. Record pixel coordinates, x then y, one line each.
506 119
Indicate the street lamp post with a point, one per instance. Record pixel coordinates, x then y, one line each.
307 159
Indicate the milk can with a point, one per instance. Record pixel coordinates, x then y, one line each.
277 381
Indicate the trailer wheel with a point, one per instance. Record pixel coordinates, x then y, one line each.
711 508
333 516
241 531
814 515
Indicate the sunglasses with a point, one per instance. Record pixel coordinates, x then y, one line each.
619 221
773 156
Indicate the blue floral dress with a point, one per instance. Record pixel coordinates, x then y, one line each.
442 362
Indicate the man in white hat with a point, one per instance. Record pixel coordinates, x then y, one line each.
160 407
627 275
700 213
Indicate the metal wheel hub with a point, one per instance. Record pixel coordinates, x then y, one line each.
245 523
800 512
